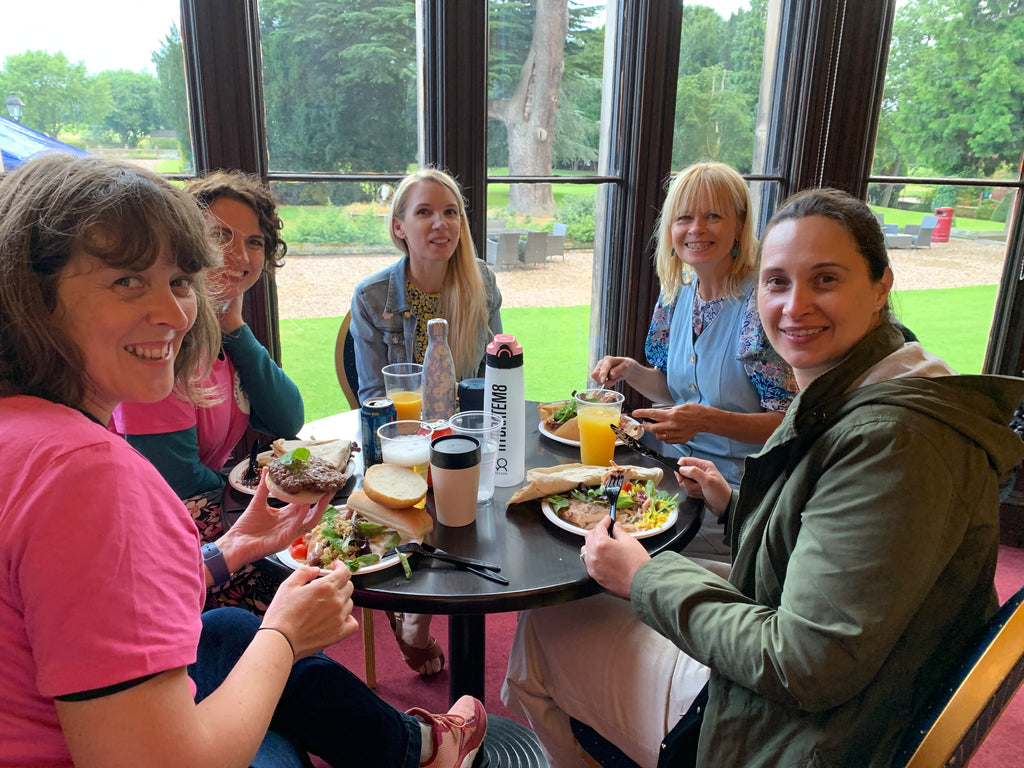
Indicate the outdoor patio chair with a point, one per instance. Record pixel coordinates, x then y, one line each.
556 241
503 250
930 220
535 249
923 237
911 229
891 229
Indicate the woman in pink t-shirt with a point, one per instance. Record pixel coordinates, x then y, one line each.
106 660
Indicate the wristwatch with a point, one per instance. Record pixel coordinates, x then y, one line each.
213 559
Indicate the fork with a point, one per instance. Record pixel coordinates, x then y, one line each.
250 477
612 488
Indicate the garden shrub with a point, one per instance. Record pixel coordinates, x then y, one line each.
577 211
1002 209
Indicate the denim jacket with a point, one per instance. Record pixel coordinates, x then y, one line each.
384 327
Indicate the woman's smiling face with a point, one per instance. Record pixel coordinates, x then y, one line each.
705 234
431 223
815 295
236 230
128 325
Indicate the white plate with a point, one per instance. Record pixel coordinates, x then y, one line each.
235 475
563 440
550 514
285 556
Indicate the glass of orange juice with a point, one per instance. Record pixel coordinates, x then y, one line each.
596 411
403 384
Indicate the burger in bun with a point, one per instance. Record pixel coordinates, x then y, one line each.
300 477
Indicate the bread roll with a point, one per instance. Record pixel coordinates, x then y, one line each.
394 486
411 522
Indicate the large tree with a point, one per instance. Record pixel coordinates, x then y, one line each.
172 102
133 97
56 92
955 85
340 84
528 112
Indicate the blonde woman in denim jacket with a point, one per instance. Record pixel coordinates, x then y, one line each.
439 275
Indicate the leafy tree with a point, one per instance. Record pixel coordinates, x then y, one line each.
56 92
133 95
172 102
340 84
955 84
529 109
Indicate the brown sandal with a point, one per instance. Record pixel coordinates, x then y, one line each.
416 658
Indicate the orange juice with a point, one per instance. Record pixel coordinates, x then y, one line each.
597 441
408 405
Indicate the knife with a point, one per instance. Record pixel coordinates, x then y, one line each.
639 447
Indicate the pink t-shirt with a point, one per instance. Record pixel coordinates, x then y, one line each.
101 578
218 428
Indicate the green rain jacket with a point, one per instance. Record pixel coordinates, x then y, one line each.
864 540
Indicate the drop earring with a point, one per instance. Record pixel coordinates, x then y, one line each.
735 249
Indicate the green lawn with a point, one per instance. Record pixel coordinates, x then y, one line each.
950 322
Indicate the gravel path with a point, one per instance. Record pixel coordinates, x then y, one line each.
321 284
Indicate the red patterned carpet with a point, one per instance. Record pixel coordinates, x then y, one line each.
398 685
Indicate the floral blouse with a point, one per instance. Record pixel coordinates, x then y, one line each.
425 307
768 372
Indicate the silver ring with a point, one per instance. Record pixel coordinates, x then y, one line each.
583 554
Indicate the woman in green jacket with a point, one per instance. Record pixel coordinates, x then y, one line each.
864 540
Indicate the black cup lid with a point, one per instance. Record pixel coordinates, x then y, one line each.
454 452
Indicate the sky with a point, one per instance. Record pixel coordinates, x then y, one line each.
105 34
120 34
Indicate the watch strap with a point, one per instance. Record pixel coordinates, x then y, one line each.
213 558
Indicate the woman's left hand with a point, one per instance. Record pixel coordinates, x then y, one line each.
613 562
263 530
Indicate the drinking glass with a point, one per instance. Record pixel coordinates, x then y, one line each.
596 411
406 443
403 384
486 428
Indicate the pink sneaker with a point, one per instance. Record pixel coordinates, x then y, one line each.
457 734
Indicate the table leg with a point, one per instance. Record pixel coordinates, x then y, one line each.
466 656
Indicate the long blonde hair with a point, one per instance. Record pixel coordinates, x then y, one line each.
726 190
463 302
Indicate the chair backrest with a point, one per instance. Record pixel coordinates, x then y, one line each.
881 219
923 237
911 229
536 248
930 220
559 228
506 249
345 363
973 697
891 229
556 246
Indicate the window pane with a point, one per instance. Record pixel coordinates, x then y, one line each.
951 109
720 66
545 120
336 235
75 85
340 85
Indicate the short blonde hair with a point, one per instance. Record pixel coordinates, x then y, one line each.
726 190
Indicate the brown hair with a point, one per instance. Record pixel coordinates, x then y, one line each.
849 212
247 189
463 302
726 190
118 213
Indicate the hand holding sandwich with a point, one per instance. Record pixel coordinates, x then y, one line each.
612 562
262 529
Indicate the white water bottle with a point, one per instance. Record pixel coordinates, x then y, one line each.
504 395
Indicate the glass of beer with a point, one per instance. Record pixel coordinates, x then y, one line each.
406 443
403 384
596 411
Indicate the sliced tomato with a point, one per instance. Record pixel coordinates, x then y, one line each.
298 549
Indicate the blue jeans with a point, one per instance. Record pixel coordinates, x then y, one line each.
324 709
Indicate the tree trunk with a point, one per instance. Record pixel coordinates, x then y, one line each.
529 115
